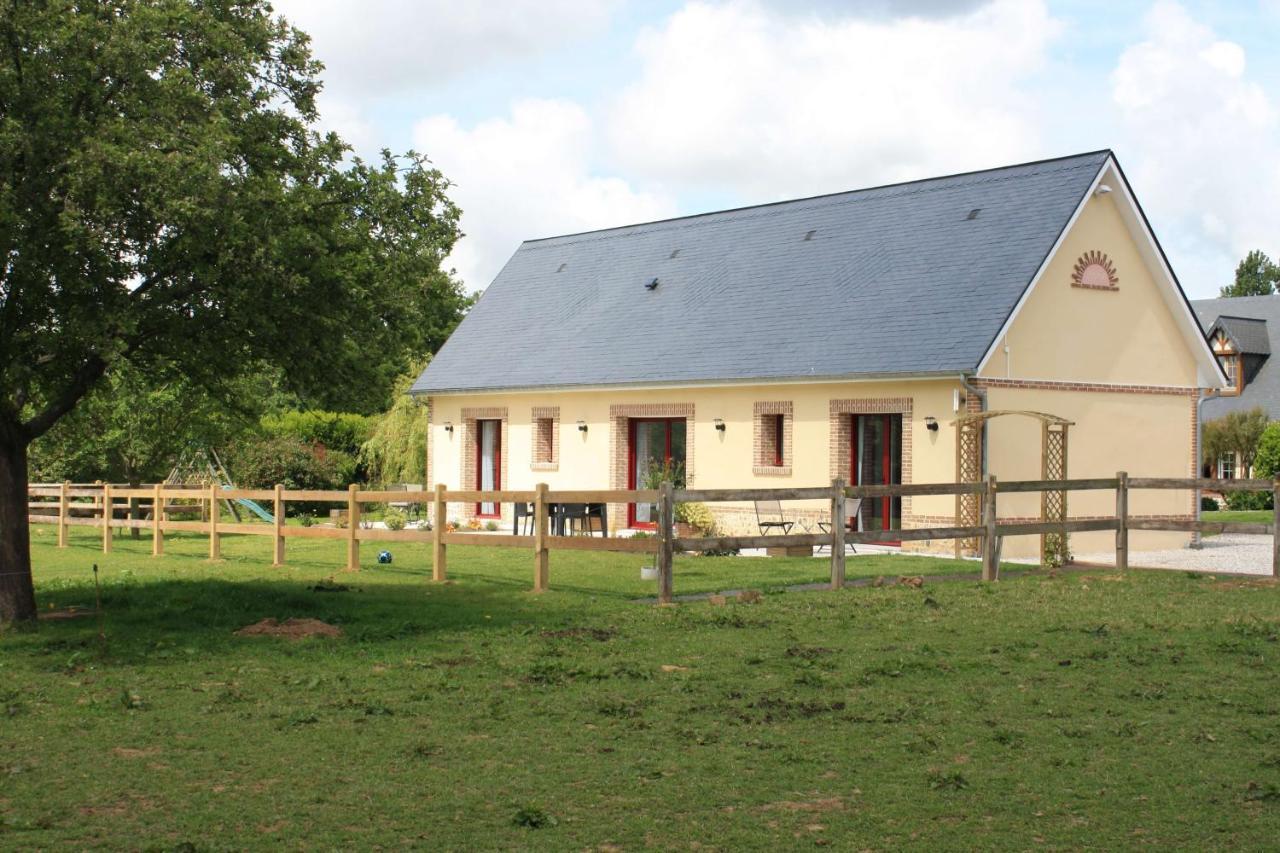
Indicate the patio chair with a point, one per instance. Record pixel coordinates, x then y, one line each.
522 512
853 516
769 517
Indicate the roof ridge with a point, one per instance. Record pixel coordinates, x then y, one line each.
830 199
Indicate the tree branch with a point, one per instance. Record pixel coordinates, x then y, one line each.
90 372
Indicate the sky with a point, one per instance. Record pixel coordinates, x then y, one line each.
556 116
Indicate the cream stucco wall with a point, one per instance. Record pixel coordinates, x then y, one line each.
720 459
1126 336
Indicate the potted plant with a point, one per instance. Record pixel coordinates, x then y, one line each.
693 519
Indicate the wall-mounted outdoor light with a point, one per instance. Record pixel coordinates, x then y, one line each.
448 427
931 424
582 426
719 424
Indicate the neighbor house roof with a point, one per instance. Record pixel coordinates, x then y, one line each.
1253 324
909 279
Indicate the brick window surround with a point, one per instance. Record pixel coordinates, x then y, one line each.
620 415
545 429
764 420
470 446
841 434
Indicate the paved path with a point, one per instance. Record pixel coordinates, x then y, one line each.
1229 552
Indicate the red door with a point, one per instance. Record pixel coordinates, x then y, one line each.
654 445
488 465
876 458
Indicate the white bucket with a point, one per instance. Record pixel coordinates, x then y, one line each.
648 573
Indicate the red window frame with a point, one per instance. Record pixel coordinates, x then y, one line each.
778 422
631 463
855 466
497 465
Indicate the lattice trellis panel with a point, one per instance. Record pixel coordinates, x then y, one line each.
968 470
1054 549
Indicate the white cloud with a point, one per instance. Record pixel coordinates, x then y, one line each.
1202 144
524 176
774 105
376 47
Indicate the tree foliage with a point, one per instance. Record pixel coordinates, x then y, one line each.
166 203
1236 434
1256 275
396 451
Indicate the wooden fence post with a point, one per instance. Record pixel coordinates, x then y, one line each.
541 556
215 541
666 550
990 551
1122 520
353 525
157 535
277 523
439 557
837 533
108 515
1275 533
64 510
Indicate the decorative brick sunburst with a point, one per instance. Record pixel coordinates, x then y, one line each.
1094 270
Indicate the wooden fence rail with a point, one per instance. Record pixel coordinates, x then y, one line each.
99 505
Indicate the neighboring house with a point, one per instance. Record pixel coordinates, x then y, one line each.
837 336
1240 331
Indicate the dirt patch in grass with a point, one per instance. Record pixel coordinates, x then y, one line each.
293 629
130 752
598 634
68 613
829 804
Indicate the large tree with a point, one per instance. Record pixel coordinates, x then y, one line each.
166 201
1256 275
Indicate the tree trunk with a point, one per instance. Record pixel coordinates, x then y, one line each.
17 594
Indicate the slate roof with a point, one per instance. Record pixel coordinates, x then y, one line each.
1254 324
1248 333
907 279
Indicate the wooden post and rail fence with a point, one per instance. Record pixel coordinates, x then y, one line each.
99 505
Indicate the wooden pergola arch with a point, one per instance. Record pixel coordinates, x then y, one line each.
1053 466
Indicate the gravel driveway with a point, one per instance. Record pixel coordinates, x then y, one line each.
1229 552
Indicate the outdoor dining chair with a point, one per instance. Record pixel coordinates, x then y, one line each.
853 515
769 517
522 512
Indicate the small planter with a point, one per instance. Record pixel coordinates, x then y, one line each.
648 573
684 530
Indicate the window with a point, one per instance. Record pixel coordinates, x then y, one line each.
773 444
1227 467
1231 367
776 433
488 464
545 430
544 440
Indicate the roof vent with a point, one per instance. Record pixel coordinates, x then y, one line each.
809 235
973 214
653 285
674 252
562 268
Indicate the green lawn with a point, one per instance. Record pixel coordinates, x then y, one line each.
1063 711
1255 516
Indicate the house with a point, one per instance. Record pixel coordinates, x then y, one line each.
788 344
1240 331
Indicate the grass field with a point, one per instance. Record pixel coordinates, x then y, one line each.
1253 516
1082 710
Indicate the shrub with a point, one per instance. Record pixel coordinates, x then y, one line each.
1266 463
394 519
336 431
1240 501
260 463
1208 504
695 514
491 526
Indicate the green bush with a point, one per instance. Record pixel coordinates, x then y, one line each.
1266 463
342 432
260 462
1239 501
1208 504
394 519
